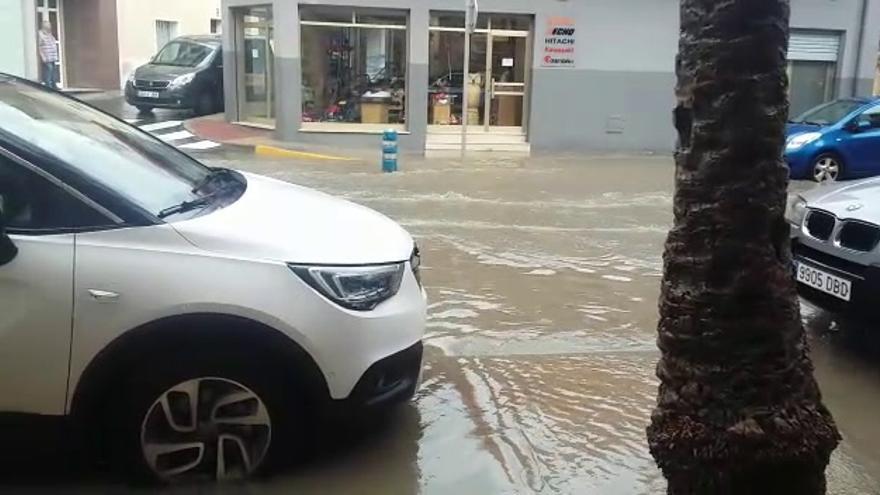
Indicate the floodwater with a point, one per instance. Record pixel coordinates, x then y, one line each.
543 278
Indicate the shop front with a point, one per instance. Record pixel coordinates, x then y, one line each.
496 84
545 75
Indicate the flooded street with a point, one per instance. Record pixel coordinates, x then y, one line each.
543 276
543 280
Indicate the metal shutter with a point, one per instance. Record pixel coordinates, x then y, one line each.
818 47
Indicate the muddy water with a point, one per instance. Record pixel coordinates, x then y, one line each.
543 280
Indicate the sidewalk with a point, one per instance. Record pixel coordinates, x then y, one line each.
215 128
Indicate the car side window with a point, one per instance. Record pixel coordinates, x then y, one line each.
870 117
31 204
218 59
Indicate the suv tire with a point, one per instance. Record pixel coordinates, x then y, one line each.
245 416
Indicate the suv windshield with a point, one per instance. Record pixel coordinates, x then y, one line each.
829 113
108 152
182 54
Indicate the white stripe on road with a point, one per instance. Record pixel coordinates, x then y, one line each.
174 136
132 121
200 145
161 125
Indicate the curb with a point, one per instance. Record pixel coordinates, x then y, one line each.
276 152
268 150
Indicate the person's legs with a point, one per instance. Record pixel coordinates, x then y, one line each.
49 75
44 73
53 76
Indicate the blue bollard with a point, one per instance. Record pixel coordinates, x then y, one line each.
389 151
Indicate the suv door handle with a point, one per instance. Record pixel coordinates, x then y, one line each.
103 295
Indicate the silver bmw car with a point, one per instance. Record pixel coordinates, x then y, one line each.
835 235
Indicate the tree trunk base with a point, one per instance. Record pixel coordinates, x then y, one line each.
794 479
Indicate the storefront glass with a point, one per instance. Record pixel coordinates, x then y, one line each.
353 68
255 48
495 85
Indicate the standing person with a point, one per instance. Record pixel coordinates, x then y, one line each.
48 54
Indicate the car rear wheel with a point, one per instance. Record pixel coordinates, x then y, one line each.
827 167
212 417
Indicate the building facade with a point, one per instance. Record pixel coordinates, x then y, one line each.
553 75
100 41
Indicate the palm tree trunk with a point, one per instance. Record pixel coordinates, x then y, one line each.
738 409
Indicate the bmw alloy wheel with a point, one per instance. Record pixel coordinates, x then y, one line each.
827 168
206 428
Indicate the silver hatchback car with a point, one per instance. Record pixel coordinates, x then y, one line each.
835 236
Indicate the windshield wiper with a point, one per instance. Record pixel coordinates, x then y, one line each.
216 173
202 201
186 206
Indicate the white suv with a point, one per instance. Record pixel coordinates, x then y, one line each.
189 320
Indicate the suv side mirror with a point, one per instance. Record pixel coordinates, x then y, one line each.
8 251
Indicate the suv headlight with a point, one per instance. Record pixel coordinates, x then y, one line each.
360 288
182 80
796 210
798 141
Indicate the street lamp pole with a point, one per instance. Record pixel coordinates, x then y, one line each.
470 20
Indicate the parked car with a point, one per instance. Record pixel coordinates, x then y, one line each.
835 235
194 319
837 140
187 73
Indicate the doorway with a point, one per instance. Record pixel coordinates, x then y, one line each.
496 84
51 10
255 65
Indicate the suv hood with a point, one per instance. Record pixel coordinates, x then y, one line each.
155 72
279 221
855 200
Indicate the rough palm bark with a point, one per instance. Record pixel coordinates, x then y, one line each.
738 409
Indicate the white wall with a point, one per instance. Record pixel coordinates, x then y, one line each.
137 26
18 41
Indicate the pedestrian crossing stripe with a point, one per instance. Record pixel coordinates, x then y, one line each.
174 133
174 136
200 145
158 126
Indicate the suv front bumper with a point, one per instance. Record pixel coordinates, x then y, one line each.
390 381
179 98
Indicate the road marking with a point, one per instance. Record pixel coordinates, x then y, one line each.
277 152
174 136
178 135
200 145
161 125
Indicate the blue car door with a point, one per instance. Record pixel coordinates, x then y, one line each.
861 143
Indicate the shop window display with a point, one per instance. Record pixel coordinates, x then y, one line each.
353 72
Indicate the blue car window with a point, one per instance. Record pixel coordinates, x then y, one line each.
829 113
870 117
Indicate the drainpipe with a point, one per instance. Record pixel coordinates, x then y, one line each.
861 44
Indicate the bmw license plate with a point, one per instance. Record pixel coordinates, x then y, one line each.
838 287
148 94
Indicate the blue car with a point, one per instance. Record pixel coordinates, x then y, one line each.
836 140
